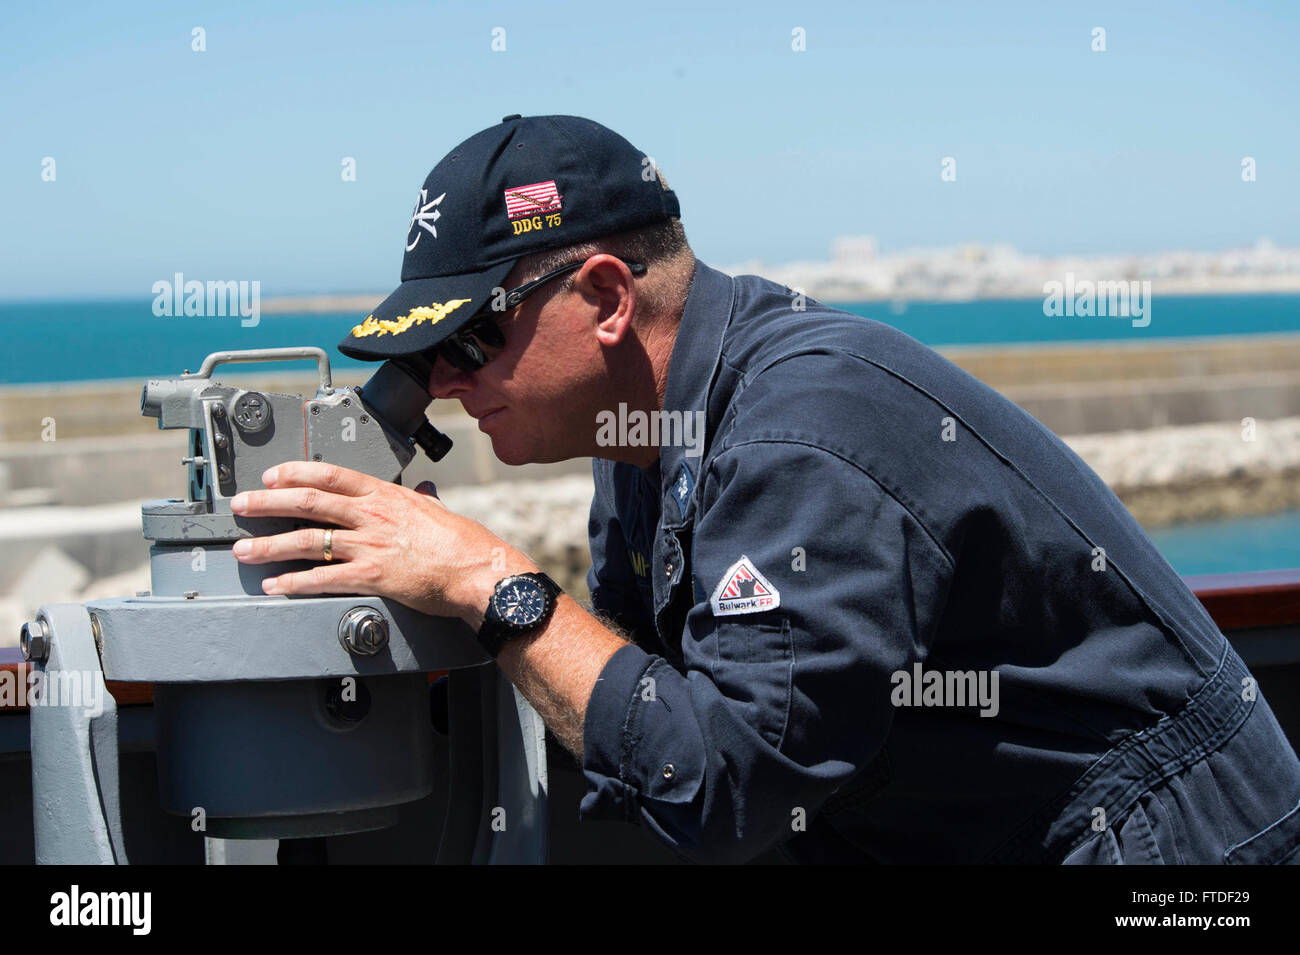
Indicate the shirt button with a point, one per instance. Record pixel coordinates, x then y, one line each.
668 570
669 770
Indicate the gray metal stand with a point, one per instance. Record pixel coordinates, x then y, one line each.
291 718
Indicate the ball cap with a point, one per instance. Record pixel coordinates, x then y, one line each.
526 185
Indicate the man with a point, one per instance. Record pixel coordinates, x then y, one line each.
877 612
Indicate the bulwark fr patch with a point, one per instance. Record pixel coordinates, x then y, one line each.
743 589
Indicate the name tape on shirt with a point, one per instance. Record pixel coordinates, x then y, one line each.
744 590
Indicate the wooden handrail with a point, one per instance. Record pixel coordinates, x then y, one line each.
125 694
1266 598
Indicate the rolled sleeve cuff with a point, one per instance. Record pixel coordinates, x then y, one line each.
605 736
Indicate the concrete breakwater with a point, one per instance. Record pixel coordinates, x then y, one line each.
1087 388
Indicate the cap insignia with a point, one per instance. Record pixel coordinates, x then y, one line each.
432 314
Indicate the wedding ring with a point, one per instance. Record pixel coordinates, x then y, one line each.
329 544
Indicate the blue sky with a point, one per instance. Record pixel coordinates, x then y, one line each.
225 164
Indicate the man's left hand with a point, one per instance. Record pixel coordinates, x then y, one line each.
389 541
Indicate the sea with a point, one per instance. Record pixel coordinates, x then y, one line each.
68 341
83 340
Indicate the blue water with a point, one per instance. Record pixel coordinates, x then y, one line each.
1022 320
75 341
81 341
1270 542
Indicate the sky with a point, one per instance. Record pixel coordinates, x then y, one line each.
226 163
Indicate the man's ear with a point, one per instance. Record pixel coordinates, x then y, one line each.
607 282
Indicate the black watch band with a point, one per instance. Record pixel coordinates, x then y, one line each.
505 619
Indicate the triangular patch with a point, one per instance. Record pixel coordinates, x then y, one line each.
743 589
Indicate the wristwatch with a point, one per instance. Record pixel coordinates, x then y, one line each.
519 605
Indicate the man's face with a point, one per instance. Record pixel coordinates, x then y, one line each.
529 398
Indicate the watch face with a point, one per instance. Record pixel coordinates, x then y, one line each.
520 603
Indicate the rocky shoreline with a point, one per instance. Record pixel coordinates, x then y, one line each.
1199 472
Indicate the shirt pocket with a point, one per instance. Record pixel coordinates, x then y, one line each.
1101 849
1134 844
754 668
1279 844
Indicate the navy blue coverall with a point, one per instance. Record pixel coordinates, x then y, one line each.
861 513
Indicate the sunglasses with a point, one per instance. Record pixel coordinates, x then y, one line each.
471 347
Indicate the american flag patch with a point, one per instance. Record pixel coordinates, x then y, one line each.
743 589
538 199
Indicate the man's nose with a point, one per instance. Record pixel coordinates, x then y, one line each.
446 381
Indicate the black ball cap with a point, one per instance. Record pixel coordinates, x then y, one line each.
524 185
